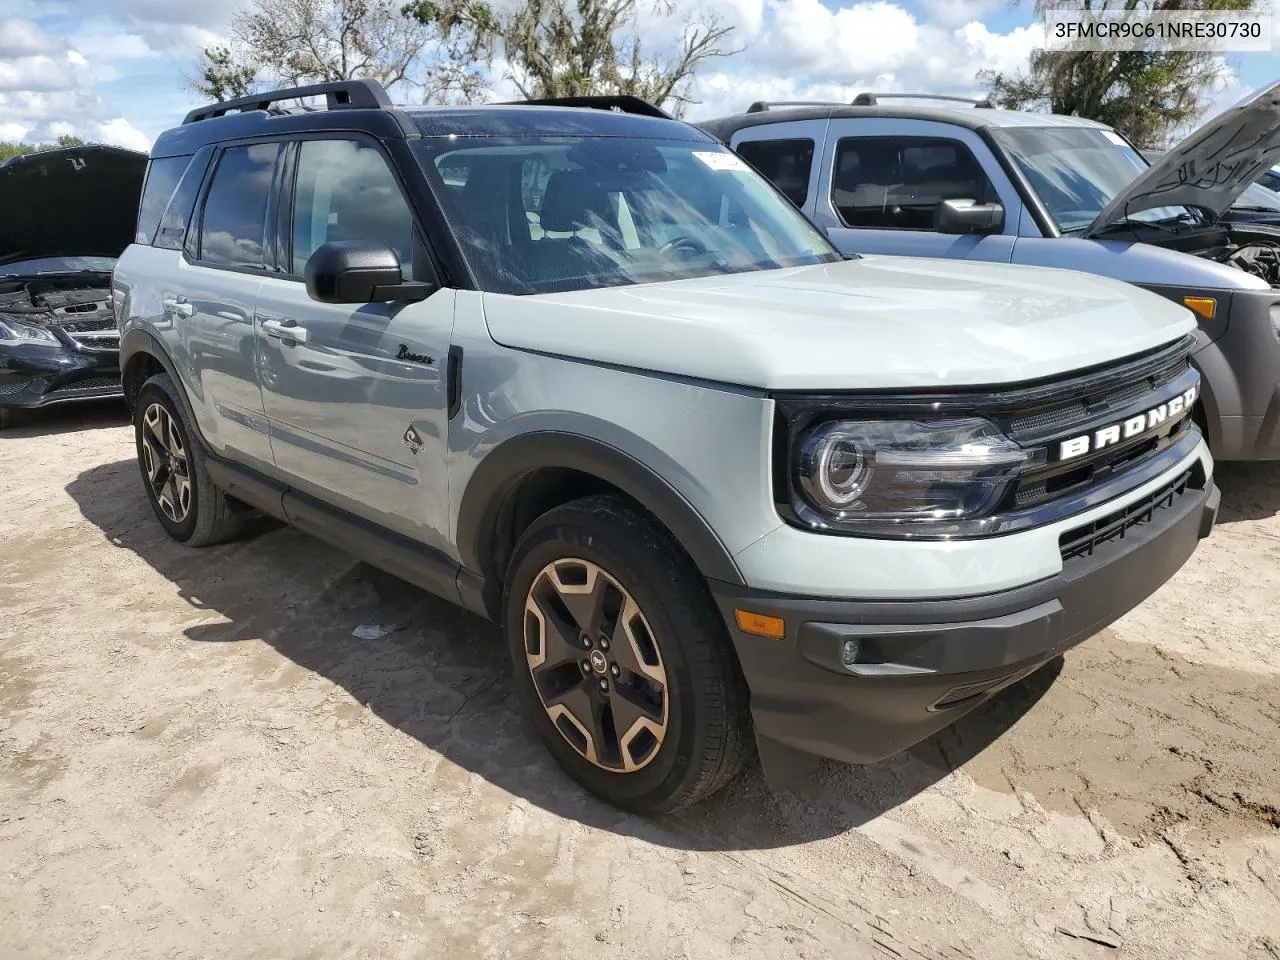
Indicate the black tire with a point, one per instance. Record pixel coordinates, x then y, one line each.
8 418
707 731
208 515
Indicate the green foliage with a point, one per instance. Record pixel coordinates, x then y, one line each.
1147 96
280 43
8 150
563 48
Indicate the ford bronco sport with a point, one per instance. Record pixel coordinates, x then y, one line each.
584 373
970 182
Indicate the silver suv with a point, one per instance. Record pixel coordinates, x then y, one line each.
973 183
586 374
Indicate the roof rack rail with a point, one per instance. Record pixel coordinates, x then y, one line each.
621 103
760 106
358 94
872 99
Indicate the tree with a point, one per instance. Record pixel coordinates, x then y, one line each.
1146 95
9 150
562 48
295 42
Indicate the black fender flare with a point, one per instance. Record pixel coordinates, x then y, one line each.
500 471
138 341
1218 389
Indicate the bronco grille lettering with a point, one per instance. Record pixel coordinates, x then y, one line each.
1134 426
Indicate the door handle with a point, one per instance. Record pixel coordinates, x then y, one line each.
179 307
284 330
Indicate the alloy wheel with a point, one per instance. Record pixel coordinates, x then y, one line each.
596 665
165 460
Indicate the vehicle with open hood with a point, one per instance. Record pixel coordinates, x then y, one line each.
67 215
968 181
585 373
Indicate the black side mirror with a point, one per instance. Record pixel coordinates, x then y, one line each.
968 216
352 271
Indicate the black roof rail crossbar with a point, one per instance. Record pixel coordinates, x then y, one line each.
871 99
366 94
622 103
760 106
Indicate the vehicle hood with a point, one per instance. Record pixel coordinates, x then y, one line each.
871 323
74 202
1211 167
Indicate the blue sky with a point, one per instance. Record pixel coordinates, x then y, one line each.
112 70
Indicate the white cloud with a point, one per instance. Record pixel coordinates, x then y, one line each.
19 38
124 134
955 13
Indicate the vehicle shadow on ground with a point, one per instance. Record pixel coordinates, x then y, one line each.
1250 491
66 418
441 675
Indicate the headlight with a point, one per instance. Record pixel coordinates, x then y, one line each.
26 332
881 473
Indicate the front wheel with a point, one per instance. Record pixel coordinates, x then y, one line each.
621 659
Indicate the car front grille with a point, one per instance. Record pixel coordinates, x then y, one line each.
1083 542
1079 406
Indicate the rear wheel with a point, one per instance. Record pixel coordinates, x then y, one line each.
621 659
188 505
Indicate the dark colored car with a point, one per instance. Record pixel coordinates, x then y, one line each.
67 215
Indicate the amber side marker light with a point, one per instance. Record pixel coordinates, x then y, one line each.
775 628
1207 307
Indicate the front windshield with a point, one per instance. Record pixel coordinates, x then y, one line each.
31 268
1259 199
549 214
1076 171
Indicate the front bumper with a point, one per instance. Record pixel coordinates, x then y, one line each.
38 375
860 681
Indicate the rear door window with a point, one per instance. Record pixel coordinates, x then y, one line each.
233 229
177 215
785 163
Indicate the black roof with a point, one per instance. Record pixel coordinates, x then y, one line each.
362 106
722 128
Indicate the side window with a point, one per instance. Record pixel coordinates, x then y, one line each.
163 175
235 209
346 191
177 215
784 162
898 182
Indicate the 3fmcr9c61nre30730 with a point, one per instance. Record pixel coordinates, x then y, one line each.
586 374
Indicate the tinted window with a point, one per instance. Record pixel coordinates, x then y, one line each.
235 210
346 191
162 177
898 182
537 215
173 223
785 162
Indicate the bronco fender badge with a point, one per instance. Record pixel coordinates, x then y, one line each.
1134 426
412 439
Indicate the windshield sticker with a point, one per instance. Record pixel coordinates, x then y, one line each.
1114 138
715 160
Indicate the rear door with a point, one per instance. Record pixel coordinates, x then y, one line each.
786 154
883 179
218 277
355 393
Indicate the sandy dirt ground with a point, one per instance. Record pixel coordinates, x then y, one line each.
199 759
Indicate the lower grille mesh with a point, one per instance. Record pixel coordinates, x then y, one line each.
1085 541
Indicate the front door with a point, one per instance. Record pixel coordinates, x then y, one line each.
885 180
355 392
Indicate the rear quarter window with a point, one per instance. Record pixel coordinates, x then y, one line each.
163 175
177 214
